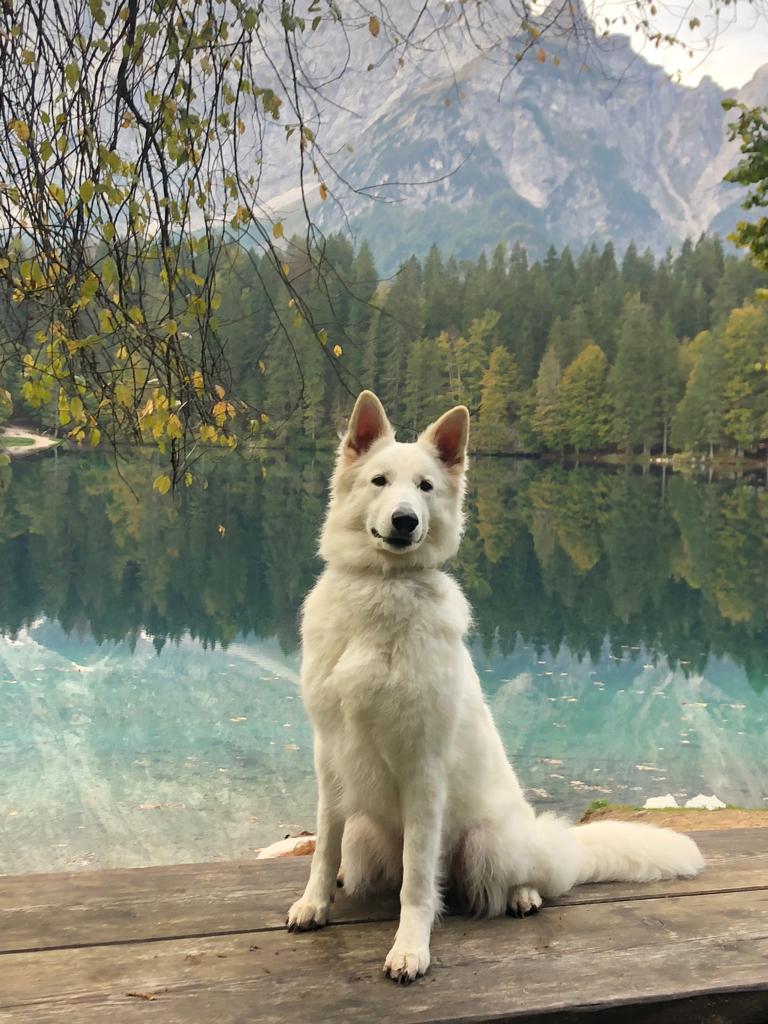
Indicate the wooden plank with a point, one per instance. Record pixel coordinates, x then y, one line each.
589 959
91 907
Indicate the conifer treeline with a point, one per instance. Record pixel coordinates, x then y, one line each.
564 354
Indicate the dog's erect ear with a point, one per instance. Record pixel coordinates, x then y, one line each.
449 435
367 424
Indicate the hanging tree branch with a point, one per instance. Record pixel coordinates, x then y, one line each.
135 136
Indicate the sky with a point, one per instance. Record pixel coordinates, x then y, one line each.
738 47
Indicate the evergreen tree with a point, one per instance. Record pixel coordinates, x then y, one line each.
538 302
669 381
635 379
424 395
400 323
476 291
698 419
544 420
499 396
745 364
637 271
471 359
434 293
564 282
581 407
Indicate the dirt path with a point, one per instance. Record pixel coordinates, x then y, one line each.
40 442
684 820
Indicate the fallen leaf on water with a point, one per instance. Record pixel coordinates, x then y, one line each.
239 718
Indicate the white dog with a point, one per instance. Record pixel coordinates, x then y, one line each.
415 790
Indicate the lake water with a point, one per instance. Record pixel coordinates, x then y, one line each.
149 707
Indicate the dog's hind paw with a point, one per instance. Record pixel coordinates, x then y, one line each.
522 901
405 965
307 914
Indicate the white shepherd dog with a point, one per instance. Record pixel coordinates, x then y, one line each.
415 790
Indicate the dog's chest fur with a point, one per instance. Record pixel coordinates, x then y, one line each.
380 672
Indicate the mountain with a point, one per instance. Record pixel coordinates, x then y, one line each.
582 142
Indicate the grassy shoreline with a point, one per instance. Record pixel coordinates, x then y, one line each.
9 441
685 819
16 441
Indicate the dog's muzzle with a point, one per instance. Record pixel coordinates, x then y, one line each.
404 524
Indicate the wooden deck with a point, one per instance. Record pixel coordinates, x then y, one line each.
205 943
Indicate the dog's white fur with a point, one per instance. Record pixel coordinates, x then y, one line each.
415 789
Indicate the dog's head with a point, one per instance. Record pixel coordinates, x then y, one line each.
396 505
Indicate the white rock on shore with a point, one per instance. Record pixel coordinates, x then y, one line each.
659 803
705 803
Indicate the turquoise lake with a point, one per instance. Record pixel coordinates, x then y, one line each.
149 705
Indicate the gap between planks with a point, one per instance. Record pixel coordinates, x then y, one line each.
369 921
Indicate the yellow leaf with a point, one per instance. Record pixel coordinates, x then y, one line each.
174 427
277 230
171 328
64 416
222 530
323 190
188 479
220 392
4 263
87 190
162 483
337 350
28 56
95 436
374 26
197 380
20 129
76 408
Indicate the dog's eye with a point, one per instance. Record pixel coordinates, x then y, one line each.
379 481
425 485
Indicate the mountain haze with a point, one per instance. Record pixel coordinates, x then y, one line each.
590 143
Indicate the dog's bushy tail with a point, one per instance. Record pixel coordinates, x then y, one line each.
611 851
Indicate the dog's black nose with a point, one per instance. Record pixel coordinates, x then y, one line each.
404 521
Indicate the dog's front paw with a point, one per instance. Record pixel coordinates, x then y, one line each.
522 901
405 963
306 914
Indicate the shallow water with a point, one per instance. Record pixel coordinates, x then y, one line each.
149 708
